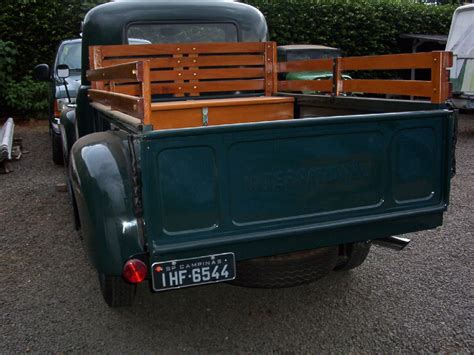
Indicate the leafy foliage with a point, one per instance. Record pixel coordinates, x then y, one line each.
8 53
361 27
26 96
30 32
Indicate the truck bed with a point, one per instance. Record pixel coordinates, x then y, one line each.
231 154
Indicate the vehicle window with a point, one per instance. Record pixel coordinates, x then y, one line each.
71 56
183 32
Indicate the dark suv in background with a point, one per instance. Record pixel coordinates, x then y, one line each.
63 90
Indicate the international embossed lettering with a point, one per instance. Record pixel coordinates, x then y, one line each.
311 178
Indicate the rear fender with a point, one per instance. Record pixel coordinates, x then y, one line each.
101 176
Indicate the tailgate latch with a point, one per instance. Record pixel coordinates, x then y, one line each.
205 118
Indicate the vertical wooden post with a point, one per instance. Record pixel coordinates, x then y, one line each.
143 75
337 82
95 62
441 88
274 68
193 58
179 60
270 68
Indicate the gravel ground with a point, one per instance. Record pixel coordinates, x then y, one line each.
418 300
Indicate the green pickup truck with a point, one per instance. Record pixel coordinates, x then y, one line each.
193 163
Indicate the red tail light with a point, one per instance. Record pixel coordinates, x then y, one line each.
57 113
134 271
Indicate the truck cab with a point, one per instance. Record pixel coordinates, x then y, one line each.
195 161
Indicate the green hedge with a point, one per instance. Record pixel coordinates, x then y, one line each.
32 29
359 27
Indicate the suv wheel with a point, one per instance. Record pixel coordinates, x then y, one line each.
57 147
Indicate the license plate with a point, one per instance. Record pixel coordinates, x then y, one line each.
202 270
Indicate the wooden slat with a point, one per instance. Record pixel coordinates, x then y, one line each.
306 65
119 116
249 101
305 85
127 71
201 61
131 105
388 62
207 86
203 74
214 86
192 117
183 48
395 87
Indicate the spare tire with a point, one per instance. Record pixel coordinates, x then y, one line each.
352 255
287 270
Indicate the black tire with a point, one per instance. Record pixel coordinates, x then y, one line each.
117 292
286 270
75 210
57 148
352 255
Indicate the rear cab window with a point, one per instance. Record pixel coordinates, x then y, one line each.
183 32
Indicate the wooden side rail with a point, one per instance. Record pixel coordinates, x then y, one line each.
437 89
106 80
125 78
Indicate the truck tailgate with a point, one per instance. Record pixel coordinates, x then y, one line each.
259 189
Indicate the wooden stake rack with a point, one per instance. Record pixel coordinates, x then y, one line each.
166 85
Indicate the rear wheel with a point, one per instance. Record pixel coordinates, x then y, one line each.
352 255
57 149
288 269
117 292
